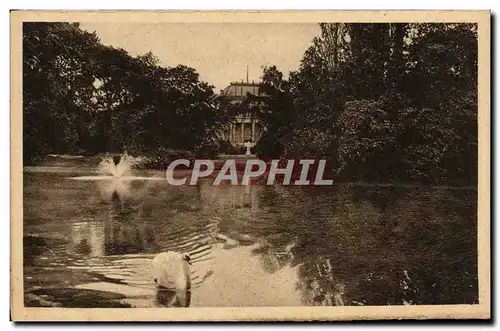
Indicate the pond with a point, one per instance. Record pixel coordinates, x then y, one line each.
89 243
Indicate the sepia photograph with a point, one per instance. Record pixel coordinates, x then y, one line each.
264 166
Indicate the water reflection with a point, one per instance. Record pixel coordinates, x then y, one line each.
130 225
88 238
274 258
115 189
119 226
260 245
166 298
230 196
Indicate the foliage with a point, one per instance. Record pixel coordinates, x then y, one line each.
162 157
83 97
58 71
366 137
384 102
276 110
388 102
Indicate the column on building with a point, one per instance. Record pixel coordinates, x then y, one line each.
253 131
243 131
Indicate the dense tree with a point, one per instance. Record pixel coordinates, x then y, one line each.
81 96
383 101
397 101
277 110
58 71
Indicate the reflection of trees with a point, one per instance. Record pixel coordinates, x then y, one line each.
120 227
412 246
318 284
273 257
322 272
236 208
165 219
167 298
118 234
225 196
128 238
442 226
350 245
88 238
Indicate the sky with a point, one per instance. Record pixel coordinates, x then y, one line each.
220 52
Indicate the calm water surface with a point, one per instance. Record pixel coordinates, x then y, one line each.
90 243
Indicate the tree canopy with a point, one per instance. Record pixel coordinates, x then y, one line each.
389 102
81 96
380 101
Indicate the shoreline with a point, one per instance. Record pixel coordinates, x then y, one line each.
91 171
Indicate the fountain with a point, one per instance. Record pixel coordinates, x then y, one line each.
117 167
115 176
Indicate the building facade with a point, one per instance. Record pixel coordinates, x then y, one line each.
245 129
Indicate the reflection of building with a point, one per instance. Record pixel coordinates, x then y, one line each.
227 197
245 127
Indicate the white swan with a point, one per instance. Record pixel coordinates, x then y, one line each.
172 275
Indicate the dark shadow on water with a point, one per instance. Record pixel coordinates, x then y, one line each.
73 298
172 299
378 245
349 245
34 246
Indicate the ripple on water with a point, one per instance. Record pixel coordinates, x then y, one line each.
369 234
123 178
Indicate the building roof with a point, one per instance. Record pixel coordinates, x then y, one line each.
240 90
